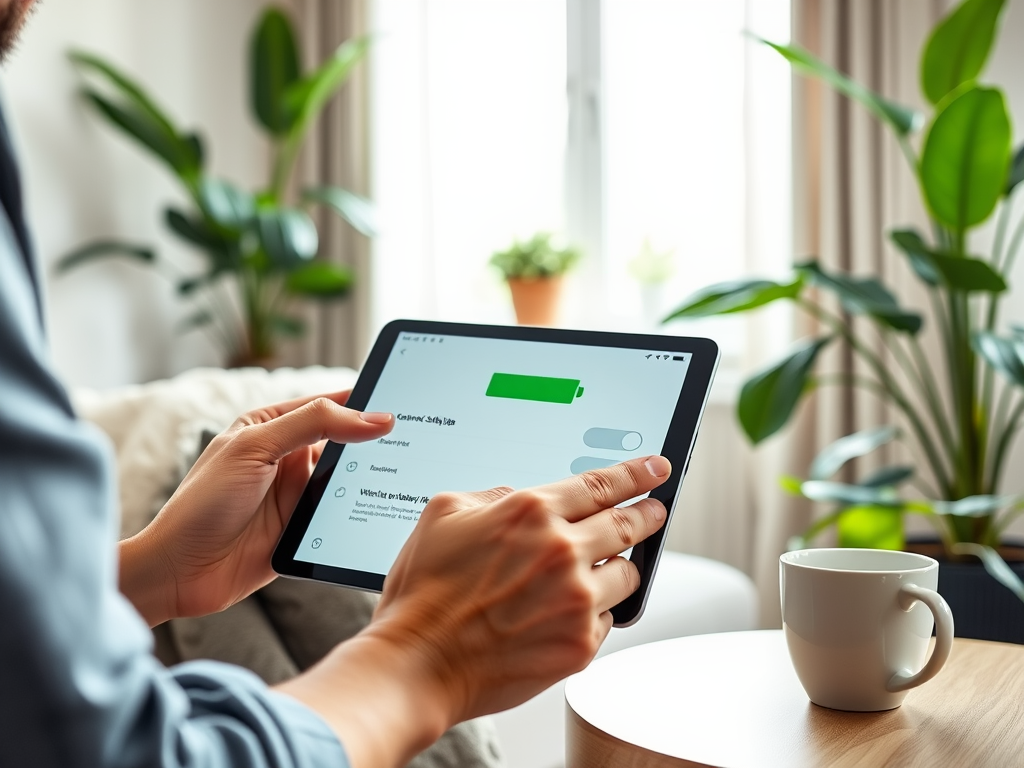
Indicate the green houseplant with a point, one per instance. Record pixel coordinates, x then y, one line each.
533 270
958 419
259 246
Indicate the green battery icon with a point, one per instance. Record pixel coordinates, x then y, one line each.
543 389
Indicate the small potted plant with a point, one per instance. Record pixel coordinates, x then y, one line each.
652 270
534 272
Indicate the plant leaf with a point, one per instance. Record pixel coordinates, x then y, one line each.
226 204
958 47
791 485
913 246
274 68
870 527
288 236
102 249
972 506
813 530
1005 355
194 144
192 284
543 255
888 477
140 117
768 399
319 279
969 274
966 157
994 564
902 119
834 456
192 230
958 273
195 320
287 326
1016 170
137 125
128 87
353 208
735 296
222 249
844 493
306 97
863 296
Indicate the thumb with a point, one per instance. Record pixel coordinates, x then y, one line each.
319 419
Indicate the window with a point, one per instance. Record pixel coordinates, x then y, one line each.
469 122
632 126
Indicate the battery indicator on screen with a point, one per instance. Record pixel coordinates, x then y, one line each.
680 358
543 389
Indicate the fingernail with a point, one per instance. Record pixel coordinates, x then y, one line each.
375 418
658 510
658 466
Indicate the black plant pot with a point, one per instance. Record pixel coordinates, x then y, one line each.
983 609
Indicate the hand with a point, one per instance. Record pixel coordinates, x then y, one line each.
493 598
210 546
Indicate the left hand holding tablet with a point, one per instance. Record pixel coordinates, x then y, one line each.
210 545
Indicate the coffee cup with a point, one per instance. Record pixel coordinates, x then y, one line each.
858 622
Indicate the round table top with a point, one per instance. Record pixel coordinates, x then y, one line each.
733 700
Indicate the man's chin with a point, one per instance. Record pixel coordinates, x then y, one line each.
13 14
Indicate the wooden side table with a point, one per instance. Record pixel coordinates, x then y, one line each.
733 701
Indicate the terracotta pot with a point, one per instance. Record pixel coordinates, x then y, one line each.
536 300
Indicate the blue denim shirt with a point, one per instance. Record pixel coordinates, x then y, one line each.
79 687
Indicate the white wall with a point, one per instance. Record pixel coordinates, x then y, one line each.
115 323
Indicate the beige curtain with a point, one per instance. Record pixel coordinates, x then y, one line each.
851 185
337 153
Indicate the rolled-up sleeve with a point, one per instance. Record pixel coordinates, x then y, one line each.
79 687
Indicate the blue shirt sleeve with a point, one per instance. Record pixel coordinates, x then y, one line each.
79 687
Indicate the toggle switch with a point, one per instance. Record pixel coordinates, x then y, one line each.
587 463
612 439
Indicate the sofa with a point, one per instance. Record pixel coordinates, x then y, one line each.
156 431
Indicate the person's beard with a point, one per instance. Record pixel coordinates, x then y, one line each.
12 19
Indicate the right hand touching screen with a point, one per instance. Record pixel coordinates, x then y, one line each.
494 597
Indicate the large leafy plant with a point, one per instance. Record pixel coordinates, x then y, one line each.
956 420
259 246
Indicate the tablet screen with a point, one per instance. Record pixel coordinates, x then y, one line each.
474 413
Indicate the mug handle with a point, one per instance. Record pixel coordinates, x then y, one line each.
909 595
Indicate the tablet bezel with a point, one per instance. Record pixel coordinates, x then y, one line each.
678 446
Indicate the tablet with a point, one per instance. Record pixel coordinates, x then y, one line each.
481 406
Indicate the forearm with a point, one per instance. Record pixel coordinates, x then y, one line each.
380 698
145 579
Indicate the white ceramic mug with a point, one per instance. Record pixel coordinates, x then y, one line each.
858 622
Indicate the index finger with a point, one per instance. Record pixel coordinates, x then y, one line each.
269 412
590 492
